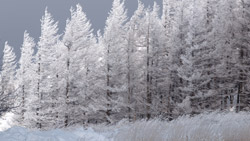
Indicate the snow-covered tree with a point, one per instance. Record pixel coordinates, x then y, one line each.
147 57
155 54
226 72
241 47
80 67
176 17
114 42
46 59
134 63
157 61
26 75
8 77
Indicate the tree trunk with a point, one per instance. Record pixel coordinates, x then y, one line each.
149 93
66 120
39 124
108 111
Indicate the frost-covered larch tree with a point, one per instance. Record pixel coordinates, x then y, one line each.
8 77
242 44
202 49
176 15
114 42
153 49
160 72
205 37
225 25
188 71
26 76
46 59
81 57
135 64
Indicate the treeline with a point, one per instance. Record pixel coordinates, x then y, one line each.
192 59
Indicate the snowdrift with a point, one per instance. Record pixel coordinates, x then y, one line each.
22 134
205 127
6 121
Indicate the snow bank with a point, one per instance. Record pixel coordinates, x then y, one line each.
6 121
22 134
205 127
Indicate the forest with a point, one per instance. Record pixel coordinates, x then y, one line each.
192 58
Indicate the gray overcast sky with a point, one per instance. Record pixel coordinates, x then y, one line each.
16 16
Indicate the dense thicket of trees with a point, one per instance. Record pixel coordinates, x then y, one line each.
192 59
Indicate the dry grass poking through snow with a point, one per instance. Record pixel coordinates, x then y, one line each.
205 127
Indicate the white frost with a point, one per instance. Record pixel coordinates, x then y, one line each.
206 127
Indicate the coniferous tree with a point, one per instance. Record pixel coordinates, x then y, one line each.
115 46
242 45
8 77
25 76
135 69
46 65
81 58
226 72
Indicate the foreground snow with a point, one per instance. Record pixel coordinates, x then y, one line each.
6 121
22 134
206 127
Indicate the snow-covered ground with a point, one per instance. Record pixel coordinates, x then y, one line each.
6 121
205 127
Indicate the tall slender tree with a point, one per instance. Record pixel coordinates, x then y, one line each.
26 74
80 43
115 46
46 64
134 63
8 77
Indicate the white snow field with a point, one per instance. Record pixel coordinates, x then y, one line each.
205 127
